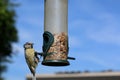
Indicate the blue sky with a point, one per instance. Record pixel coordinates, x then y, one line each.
94 36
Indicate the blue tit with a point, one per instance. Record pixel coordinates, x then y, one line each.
31 57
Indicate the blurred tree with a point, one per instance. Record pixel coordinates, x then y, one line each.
8 33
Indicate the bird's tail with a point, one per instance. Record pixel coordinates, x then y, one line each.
34 77
32 69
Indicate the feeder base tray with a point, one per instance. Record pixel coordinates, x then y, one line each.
55 63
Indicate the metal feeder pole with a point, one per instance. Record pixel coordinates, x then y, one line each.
56 15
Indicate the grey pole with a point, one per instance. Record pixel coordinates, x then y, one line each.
56 16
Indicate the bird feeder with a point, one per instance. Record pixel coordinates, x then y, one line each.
55 36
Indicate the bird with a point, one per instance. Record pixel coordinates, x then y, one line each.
31 57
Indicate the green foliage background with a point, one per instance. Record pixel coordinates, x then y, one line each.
8 33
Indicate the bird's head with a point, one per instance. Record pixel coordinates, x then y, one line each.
28 45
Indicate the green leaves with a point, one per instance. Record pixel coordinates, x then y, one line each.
8 32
